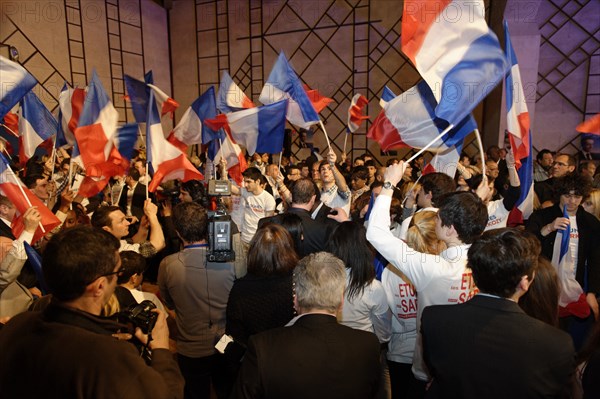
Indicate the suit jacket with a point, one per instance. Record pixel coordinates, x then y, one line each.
315 233
489 348
314 358
6 231
137 201
580 156
588 254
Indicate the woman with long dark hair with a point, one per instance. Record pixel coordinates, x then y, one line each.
263 299
365 303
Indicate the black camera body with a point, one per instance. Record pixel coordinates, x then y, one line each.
220 238
139 315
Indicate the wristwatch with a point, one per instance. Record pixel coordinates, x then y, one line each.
388 185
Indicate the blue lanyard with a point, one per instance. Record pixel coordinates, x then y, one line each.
195 246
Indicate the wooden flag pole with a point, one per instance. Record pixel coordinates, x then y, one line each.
480 144
325 131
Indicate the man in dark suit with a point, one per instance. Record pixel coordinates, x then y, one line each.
315 357
133 195
315 232
488 347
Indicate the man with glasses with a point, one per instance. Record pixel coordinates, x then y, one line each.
563 164
68 347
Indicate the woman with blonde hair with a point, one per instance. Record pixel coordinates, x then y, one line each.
421 234
402 299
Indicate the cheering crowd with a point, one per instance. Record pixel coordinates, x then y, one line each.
334 290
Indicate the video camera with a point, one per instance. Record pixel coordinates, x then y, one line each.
220 238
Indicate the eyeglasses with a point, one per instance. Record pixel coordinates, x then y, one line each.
119 272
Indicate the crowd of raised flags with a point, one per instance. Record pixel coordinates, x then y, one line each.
460 61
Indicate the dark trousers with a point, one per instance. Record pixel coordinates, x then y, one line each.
200 372
579 329
403 382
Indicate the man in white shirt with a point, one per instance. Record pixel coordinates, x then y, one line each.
258 203
443 279
335 192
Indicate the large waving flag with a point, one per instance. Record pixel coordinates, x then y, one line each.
517 120
386 96
230 97
459 58
22 198
96 133
283 83
409 121
592 125
164 159
191 128
36 125
236 161
260 129
15 82
70 102
139 93
355 112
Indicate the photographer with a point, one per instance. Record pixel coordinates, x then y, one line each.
198 290
67 349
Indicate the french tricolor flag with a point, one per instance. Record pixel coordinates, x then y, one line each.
191 128
386 96
70 102
355 112
96 132
166 161
22 198
139 93
409 121
15 83
517 120
454 50
283 83
524 206
236 161
230 97
572 299
36 125
260 129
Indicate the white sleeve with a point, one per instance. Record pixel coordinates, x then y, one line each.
416 266
380 313
404 228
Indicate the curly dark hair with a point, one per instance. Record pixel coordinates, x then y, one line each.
571 183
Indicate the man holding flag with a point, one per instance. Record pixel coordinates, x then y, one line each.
568 236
